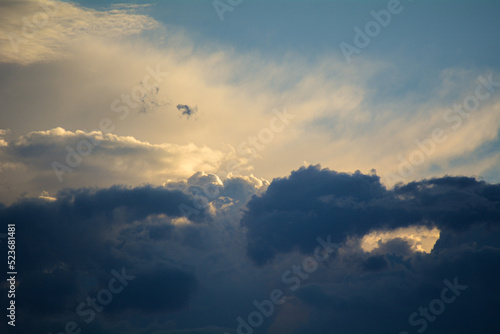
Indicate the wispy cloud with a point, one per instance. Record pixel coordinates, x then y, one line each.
40 31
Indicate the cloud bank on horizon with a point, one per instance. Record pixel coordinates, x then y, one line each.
210 167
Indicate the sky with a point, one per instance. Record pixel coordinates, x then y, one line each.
239 166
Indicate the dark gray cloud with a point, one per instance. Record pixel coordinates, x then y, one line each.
69 248
199 275
378 291
187 110
158 289
384 300
374 263
314 202
397 246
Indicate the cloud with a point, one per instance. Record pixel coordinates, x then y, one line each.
397 291
40 31
314 202
97 158
187 110
161 289
190 271
394 277
195 269
86 234
354 126
374 263
417 238
149 101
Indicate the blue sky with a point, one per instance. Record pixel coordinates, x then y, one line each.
211 144
439 33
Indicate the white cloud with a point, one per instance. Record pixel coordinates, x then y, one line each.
35 31
97 159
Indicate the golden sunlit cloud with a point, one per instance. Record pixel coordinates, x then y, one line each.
420 238
38 31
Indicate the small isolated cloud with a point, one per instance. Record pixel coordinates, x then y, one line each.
187 110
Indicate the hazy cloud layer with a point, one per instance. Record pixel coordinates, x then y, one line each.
40 31
59 158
